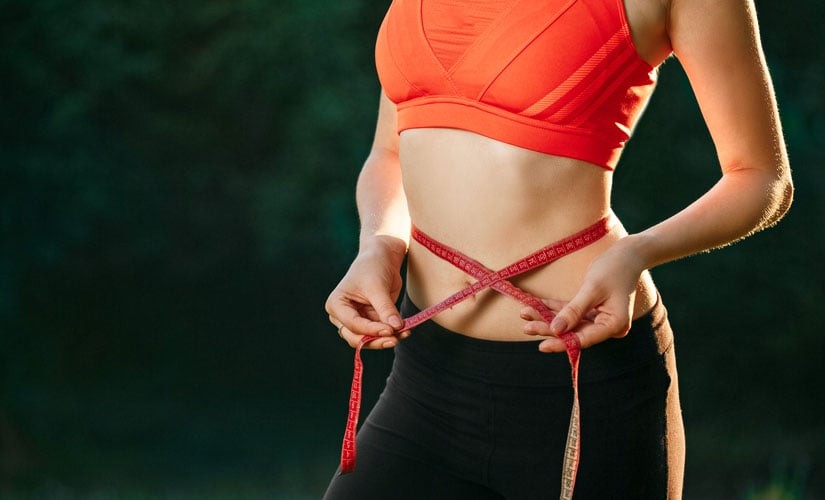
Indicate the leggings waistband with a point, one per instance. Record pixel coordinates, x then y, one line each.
520 363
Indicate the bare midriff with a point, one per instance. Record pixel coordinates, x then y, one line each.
498 203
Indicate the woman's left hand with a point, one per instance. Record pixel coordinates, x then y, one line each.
603 306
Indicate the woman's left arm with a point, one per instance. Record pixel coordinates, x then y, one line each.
717 43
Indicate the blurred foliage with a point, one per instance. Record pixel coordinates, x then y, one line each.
176 200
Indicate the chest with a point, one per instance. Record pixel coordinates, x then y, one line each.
512 53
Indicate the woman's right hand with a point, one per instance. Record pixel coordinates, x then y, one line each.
363 303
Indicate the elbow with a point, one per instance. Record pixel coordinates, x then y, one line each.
770 191
781 197
786 198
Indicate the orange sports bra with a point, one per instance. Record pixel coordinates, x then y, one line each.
560 77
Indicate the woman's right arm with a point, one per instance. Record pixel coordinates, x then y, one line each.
364 301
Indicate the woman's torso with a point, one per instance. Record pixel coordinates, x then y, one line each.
497 203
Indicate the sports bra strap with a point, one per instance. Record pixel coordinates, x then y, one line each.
499 281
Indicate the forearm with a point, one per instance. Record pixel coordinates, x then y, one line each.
743 202
382 204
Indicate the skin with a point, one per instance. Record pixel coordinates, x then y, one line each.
529 199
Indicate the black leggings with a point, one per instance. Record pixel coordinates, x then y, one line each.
463 418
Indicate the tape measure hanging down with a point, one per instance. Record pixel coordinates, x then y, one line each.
497 280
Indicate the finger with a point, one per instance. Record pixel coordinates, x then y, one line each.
552 344
366 311
349 314
555 305
385 307
530 314
605 327
537 327
354 339
574 312
590 315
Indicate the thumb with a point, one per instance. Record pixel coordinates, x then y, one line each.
572 313
386 310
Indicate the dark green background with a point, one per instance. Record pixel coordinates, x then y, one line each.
176 201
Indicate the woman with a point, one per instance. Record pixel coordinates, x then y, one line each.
499 125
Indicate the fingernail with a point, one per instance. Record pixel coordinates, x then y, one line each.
546 346
396 322
388 344
559 325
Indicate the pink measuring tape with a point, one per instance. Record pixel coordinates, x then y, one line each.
497 280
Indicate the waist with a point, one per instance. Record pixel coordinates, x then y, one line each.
522 364
491 315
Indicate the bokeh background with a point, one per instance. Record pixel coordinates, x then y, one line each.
176 201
